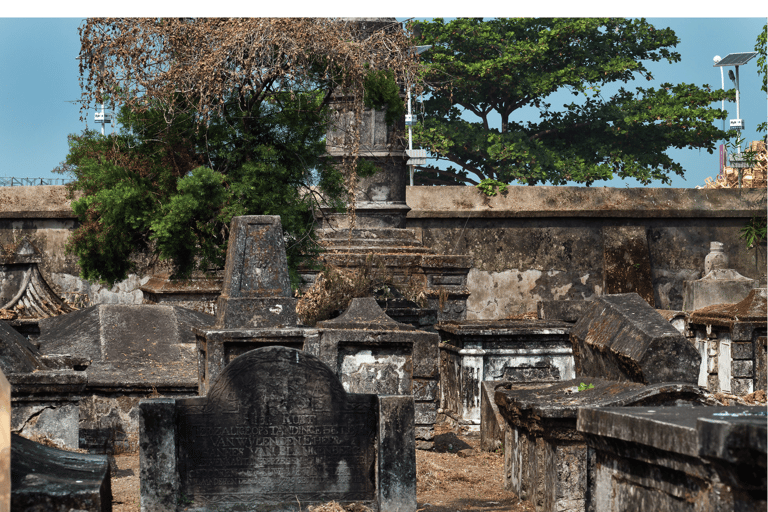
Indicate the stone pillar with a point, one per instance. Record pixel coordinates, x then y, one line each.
256 291
5 444
397 454
380 199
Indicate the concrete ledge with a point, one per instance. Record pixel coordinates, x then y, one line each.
40 202
544 201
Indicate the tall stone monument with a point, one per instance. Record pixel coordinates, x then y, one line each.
256 291
255 308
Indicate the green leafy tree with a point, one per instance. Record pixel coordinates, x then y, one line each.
219 117
173 189
491 70
762 67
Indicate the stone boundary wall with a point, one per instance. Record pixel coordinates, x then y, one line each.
530 244
547 243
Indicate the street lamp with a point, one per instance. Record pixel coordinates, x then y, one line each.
735 59
418 156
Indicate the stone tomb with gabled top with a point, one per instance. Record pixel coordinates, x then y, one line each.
277 431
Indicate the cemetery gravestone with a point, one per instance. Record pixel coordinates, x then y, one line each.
257 290
277 431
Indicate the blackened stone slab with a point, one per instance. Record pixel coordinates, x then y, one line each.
627 262
277 431
675 458
276 427
256 262
624 339
45 478
17 355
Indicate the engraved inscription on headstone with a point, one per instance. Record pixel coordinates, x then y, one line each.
277 426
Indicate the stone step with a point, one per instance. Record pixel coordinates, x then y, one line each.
367 242
378 249
368 234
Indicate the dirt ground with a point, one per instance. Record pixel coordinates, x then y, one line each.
454 476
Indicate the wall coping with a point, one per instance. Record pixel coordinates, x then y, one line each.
36 202
50 201
548 201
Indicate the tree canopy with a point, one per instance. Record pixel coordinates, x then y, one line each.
219 117
491 70
762 66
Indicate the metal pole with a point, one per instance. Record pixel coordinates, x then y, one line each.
738 111
722 102
410 131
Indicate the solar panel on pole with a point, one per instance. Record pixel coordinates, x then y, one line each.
736 59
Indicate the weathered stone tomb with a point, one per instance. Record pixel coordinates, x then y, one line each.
82 388
675 459
731 339
372 353
505 350
277 431
647 362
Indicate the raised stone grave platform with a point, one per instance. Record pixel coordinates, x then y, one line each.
545 456
505 350
731 341
277 431
671 459
372 353
123 353
45 478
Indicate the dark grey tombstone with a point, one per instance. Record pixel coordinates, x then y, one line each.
623 338
671 459
277 431
45 478
256 291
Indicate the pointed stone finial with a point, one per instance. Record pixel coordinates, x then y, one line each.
364 313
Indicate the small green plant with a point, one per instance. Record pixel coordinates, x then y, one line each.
489 187
584 387
183 499
636 265
754 231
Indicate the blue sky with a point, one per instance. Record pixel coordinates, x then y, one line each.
39 86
